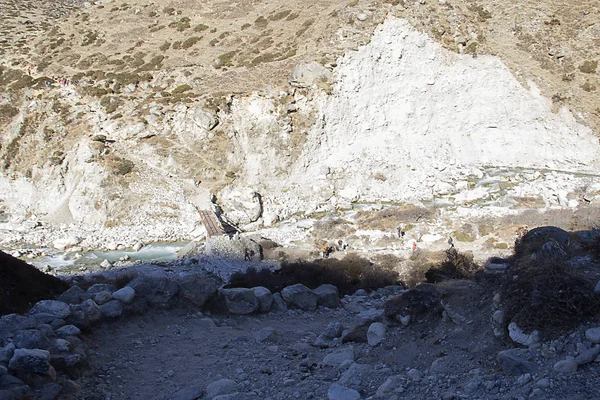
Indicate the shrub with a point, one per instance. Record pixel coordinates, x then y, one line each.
588 67
200 28
261 22
165 46
389 218
121 166
348 275
181 89
7 112
279 15
455 266
544 294
189 42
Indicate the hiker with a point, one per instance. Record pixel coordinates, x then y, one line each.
325 251
400 231
247 256
451 242
414 246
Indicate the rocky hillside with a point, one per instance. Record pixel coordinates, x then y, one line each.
118 121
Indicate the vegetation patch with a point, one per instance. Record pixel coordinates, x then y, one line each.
456 265
7 113
348 275
389 218
189 42
588 67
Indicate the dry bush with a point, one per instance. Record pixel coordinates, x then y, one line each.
455 266
413 271
388 262
547 296
332 228
348 275
389 218
563 218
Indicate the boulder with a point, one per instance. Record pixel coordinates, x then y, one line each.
197 289
518 336
7 352
339 392
59 346
220 387
587 356
593 335
265 334
30 360
156 290
124 295
387 388
566 366
369 316
188 393
513 362
74 295
310 74
352 377
101 287
112 309
68 330
57 308
64 243
265 298
496 265
327 296
300 296
102 297
376 333
240 300
278 303
337 357
30 339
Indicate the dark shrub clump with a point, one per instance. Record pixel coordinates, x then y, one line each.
348 275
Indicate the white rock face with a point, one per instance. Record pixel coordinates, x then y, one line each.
413 114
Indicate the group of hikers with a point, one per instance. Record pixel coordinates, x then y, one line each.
340 246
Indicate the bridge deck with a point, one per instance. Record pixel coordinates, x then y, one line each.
212 223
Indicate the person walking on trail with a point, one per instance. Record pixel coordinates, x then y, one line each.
325 250
451 242
400 231
247 255
414 246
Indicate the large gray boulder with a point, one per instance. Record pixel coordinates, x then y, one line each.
240 300
112 309
124 295
30 360
265 298
7 352
30 339
156 290
328 296
337 357
57 308
197 289
101 287
74 295
339 392
376 333
300 296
